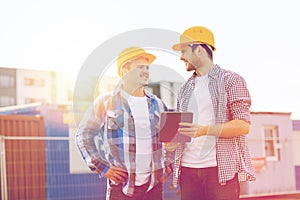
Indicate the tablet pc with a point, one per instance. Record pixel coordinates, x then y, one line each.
169 124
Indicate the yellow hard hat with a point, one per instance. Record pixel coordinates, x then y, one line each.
132 53
196 34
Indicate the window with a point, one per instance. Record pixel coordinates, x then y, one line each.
7 101
271 143
7 81
39 82
34 82
32 100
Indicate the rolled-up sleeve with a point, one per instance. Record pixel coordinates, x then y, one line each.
239 99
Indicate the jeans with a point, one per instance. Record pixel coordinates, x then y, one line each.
114 192
202 184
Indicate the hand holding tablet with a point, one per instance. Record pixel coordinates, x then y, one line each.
169 124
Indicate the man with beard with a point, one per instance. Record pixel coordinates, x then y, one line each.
211 166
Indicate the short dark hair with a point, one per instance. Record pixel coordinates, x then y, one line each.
207 49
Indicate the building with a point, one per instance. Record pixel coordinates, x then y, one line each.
165 88
22 86
271 146
167 91
8 87
296 147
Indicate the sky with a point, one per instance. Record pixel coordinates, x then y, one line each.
259 39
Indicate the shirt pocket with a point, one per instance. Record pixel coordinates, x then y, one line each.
115 119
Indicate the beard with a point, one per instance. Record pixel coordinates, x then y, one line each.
190 67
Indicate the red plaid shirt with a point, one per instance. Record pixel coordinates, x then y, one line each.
231 100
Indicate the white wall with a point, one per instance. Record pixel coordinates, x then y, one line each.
33 91
55 88
279 176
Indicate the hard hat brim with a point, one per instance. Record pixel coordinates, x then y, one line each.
148 56
177 47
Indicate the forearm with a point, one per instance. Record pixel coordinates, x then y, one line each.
229 129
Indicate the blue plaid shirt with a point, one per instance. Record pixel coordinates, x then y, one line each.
231 100
111 119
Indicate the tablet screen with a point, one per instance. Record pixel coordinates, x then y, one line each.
169 125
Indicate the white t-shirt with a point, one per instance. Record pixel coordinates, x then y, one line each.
140 113
201 151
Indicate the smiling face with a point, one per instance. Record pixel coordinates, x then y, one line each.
136 72
189 57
